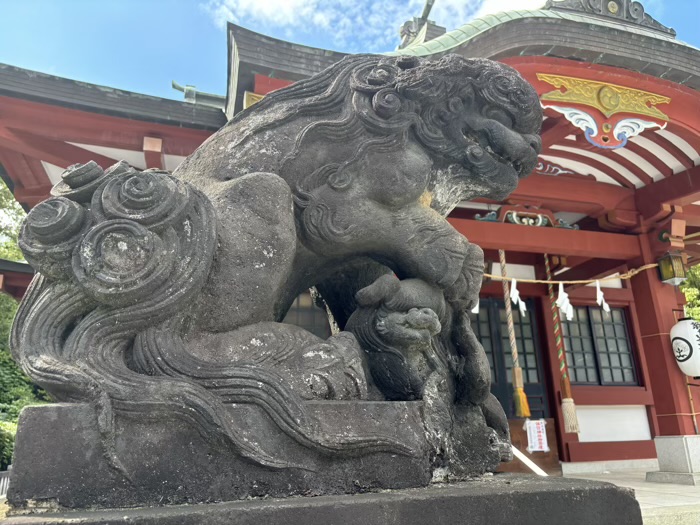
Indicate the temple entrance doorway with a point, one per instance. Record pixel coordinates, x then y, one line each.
490 326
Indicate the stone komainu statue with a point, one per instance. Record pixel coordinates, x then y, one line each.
158 297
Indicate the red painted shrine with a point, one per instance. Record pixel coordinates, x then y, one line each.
617 187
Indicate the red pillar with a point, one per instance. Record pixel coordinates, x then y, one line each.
656 305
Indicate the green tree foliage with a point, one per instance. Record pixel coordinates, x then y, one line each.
16 390
691 289
11 215
7 442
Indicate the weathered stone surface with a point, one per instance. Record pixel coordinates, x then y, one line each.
59 461
159 297
502 499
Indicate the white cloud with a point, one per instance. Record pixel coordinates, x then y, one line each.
453 13
352 25
279 13
489 7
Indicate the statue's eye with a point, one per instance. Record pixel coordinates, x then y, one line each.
498 115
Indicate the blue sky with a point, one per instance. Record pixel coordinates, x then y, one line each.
141 45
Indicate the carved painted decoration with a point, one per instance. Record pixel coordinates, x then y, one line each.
525 216
601 135
607 98
608 114
545 167
251 98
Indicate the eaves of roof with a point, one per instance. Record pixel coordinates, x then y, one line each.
267 52
15 267
49 89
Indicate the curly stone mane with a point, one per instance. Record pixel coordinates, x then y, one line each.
382 100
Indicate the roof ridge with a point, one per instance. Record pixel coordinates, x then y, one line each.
627 11
484 23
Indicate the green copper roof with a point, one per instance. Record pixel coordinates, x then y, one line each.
458 37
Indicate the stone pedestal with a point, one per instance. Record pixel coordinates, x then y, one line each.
60 461
679 460
500 499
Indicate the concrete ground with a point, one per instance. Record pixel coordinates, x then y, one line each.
661 503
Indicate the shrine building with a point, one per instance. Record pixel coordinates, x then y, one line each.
617 187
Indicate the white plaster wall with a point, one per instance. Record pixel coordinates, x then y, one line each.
519 271
173 161
613 423
53 172
614 283
135 158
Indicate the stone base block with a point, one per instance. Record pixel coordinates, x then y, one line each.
501 499
678 453
60 460
679 460
601 467
678 478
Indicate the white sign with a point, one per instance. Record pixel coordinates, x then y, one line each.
536 435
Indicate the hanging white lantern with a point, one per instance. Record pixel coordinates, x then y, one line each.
685 341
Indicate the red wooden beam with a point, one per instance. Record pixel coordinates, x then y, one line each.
586 296
15 283
680 190
17 279
31 196
611 450
531 239
619 395
494 288
25 173
572 194
71 125
691 216
53 151
264 84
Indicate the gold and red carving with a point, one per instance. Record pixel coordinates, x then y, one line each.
251 98
607 98
621 112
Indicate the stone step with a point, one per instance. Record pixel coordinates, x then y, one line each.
503 499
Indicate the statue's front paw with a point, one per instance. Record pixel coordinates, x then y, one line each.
464 293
